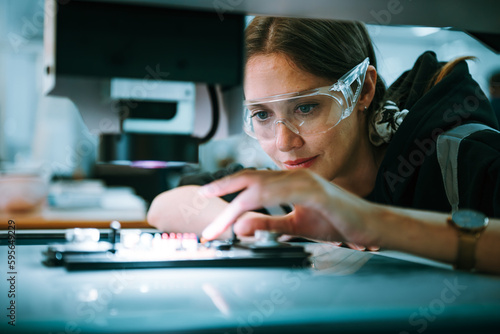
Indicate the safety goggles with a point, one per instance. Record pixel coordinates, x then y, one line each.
308 112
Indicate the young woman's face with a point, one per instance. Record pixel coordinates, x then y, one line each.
330 154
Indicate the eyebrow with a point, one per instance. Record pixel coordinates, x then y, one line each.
256 106
297 94
288 102
266 105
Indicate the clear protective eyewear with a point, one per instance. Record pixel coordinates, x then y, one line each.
308 112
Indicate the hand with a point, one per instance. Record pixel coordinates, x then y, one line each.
322 211
362 248
250 221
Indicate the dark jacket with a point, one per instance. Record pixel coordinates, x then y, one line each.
410 175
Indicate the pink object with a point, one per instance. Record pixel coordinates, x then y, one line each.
22 192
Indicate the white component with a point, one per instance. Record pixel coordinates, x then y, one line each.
130 238
158 243
182 93
189 242
82 235
145 240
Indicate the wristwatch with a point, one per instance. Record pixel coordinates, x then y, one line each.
469 225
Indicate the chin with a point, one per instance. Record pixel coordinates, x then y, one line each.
321 172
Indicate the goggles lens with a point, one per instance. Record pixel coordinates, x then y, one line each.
302 115
305 113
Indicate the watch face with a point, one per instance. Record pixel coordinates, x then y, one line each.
469 219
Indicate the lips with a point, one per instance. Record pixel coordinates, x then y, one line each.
300 163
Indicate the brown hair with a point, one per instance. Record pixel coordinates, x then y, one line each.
325 48
446 69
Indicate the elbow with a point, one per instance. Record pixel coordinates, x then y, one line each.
153 216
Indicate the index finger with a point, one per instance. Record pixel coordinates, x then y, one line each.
241 204
229 184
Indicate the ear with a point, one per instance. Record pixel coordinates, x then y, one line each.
368 91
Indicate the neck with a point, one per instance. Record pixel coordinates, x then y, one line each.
359 176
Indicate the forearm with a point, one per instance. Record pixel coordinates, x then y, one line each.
427 234
183 210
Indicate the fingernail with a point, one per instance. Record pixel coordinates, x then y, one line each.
358 247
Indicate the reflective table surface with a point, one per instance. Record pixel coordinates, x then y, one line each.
342 291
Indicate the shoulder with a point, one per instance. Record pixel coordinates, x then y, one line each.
469 158
470 139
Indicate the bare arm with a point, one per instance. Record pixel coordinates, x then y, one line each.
183 210
428 235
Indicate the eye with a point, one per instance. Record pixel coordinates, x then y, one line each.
306 108
261 115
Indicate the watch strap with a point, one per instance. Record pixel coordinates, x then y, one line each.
466 257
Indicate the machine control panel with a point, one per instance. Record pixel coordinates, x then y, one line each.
127 249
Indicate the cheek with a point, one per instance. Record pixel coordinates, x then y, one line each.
346 131
334 144
331 140
269 147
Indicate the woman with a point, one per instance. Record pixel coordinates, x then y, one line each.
319 110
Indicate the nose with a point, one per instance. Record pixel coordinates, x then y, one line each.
286 139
